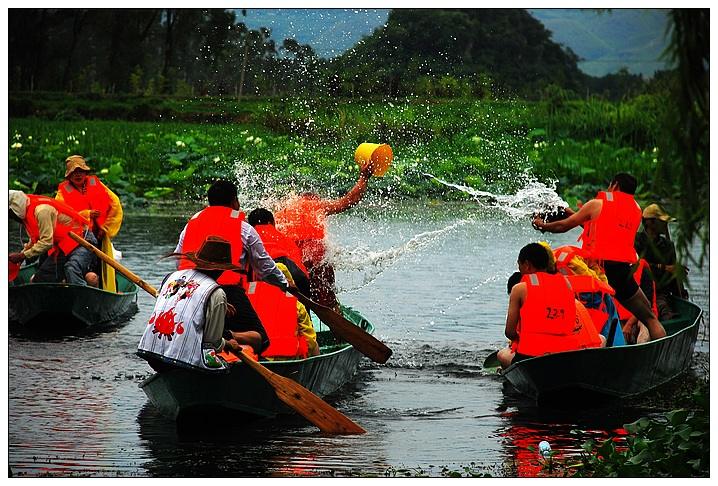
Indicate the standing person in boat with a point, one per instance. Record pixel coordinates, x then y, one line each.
224 219
48 222
281 248
187 323
542 316
92 199
304 220
610 222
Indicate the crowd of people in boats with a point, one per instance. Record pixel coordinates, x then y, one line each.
612 290
235 279
232 289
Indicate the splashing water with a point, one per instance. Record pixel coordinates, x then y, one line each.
370 264
534 197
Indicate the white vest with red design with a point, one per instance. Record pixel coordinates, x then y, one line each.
175 329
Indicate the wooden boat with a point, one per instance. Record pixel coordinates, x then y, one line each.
617 372
52 305
182 392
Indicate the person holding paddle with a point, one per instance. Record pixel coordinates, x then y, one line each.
48 224
87 195
224 219
610 222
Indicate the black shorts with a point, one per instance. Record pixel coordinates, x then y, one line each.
620 277
246 318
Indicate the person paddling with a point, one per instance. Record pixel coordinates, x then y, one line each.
87 195
611 221
48 222
187 323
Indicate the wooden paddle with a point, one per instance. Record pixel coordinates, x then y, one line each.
298 398
364 342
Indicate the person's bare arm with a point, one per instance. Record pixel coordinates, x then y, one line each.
516 300
587 212
352 197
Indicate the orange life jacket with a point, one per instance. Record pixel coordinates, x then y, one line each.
60 237
278 313
588 283
218 221
278 245
563 256
624 313
548 315
588 336
304 219
611 235
230 357
95 197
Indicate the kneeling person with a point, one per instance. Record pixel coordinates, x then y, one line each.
186 326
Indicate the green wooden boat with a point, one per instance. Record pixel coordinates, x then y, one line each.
59 306
179 392
609 373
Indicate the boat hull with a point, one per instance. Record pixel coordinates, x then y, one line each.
182 392
57 305
618 372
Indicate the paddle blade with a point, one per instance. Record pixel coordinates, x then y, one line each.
304 402
492 362
362 341
314 409
12 271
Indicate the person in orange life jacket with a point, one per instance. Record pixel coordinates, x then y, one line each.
48 223
291 332
542 315
177 334
653 243
92 199
594 293
304 220
223 217
611 221
281 248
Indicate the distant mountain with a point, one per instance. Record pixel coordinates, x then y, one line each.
330 31
606 40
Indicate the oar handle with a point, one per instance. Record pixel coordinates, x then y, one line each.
114 264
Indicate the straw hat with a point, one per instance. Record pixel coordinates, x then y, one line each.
214 254
75 162
654 211
17 201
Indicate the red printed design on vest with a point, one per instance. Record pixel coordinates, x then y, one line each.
165 325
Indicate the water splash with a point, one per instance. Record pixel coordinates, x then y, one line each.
534 197
368 264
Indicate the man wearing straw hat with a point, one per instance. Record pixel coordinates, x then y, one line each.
92 199
653 243
186 326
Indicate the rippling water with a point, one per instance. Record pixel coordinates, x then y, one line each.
432 279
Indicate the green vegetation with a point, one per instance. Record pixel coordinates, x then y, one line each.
300 144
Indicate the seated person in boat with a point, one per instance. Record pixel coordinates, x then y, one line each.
286 320
186 326
87 195
591 288
654 245
281 248
610 222
223 218
542 316
48 223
